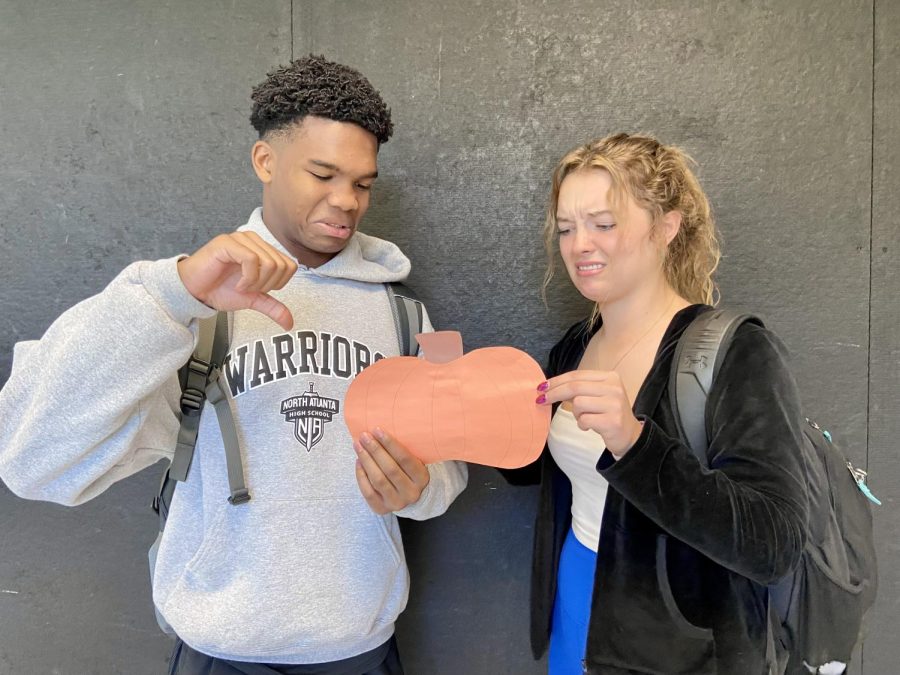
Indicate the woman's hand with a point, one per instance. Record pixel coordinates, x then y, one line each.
599 402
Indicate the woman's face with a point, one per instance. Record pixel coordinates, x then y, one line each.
608 254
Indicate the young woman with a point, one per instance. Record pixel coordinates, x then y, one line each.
644 561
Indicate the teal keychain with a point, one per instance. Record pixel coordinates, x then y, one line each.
858 474
860 477
867 492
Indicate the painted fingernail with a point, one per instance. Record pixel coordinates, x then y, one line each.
543 386
379 434
365 438
541 399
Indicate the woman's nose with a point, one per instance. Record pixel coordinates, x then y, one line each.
583 241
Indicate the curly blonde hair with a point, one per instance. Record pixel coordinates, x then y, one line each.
659 179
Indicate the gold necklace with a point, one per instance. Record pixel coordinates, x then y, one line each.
643 335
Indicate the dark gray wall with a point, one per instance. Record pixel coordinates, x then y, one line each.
882 654
123 127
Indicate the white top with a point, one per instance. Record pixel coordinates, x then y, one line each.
576 452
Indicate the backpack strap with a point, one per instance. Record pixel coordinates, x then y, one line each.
408 317
201 381
195 376
698 356
217 394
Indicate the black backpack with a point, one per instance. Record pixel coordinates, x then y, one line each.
200 382
821 604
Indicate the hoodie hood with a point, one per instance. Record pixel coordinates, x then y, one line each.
364 258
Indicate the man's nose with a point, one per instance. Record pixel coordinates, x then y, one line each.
343 197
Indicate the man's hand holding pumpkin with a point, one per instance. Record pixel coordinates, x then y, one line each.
389 476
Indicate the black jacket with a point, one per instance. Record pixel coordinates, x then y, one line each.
684 552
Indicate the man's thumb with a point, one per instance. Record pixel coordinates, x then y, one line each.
266 304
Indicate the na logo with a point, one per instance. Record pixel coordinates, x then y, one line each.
310 413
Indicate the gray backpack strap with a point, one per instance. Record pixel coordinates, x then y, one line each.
408 317
217 394
194 377
697 359
202 382
193 394
698 356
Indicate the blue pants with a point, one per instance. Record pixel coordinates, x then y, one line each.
572 607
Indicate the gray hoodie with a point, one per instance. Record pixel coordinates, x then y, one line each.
305 572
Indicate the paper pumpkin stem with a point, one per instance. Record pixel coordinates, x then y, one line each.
442 346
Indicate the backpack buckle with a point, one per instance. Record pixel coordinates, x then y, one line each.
193 397
198 366
239 497
192 401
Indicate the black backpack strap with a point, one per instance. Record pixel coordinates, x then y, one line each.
698 356
408 317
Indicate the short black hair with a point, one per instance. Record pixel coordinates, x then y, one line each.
313 85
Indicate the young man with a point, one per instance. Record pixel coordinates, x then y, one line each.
311 569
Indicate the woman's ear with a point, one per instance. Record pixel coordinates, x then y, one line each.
262 156
671 224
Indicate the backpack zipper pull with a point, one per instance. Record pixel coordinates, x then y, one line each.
860 477
868 493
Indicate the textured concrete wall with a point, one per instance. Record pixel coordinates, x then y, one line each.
124 130
882 653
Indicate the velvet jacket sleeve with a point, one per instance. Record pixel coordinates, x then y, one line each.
748 510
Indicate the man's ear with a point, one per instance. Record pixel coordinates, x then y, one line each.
671 224
262 156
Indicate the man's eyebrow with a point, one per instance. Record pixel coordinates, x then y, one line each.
337 169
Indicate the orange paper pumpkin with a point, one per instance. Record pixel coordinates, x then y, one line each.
478 407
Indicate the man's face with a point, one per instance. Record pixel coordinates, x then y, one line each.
317 179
